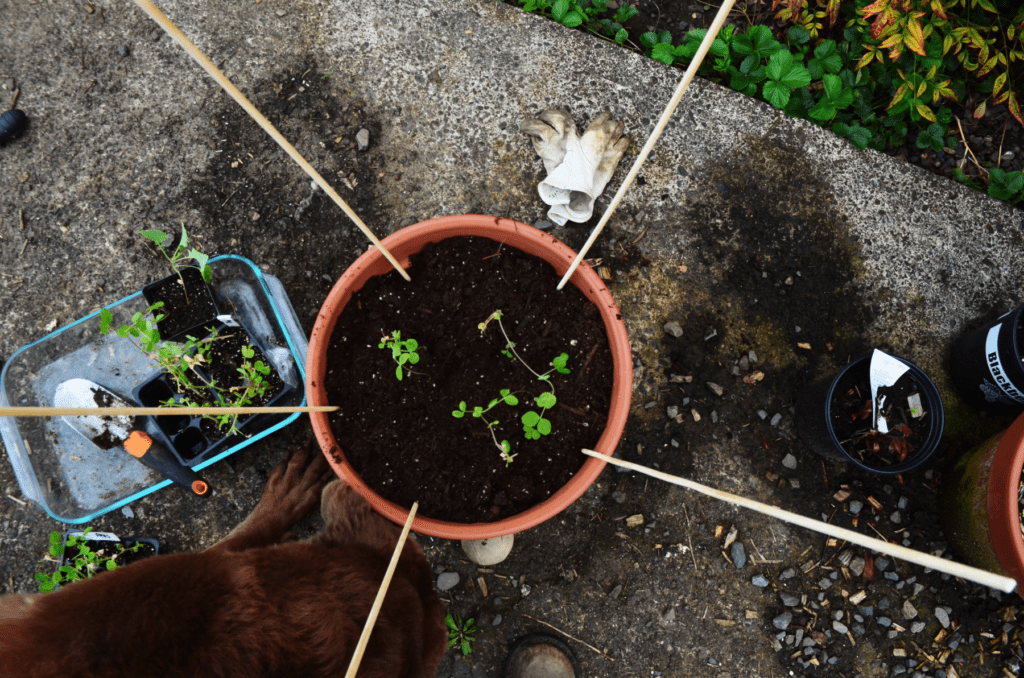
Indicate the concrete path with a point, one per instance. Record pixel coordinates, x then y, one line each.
767 231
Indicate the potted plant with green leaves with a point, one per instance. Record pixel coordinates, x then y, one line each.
83 554
435 407
185 295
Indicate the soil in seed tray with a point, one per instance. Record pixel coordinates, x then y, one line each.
851 419
401 436
187 304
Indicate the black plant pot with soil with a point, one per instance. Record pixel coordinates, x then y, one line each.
194 439
834 419
987 365
188 308
105 542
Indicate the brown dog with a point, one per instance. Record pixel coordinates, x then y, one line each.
248 606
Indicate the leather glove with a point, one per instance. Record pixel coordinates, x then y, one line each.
586 167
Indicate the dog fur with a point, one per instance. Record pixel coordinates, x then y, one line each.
247 607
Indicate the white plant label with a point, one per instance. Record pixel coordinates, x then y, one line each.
883 371
228 320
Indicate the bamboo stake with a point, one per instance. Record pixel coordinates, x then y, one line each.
222 80
152 411
983 577
691 71
364 638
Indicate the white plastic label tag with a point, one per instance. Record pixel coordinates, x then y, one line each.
883 371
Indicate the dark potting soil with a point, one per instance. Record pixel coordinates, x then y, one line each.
187 304
401 437
851 419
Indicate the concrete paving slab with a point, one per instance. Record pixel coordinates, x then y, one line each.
747 224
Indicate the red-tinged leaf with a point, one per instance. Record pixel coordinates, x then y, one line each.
999 83
874 8
974 37
775 4
865 60
832 11
915 37
987 6
882 22
900 93
942 90
892 41
1015 107
987 67
939 10
896 52
931 72
947 43
926 113
979 112
1001 98
796 6
921 89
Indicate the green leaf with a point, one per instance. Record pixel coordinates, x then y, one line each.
530 418
776 93
544 427
572 20
625 13
664 53
621 36
106 317
799 35
398 372
833 86
649 40
478 411
159 237
931 137
823 111
546 400
560 362
560 9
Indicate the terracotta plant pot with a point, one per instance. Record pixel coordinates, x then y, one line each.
408 242
979 506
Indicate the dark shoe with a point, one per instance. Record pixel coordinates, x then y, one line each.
540 655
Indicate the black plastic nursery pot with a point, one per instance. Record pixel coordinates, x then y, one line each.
97 540
987 365
194 439
826 425
189 306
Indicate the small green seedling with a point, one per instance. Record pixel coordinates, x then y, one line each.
180 255
403 351
461 634
478 412
141 328
534 423
86 564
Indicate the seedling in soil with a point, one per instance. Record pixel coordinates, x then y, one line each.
181 361
534 423
85 565
402 351
478 412
253 386
179 255
461 634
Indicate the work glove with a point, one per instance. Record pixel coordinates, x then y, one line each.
549 132
586 166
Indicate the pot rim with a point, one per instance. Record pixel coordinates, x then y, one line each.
935 430
1002 504
402 244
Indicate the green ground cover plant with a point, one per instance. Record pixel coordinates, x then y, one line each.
881 73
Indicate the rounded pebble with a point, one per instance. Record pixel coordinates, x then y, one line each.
782 621
760 581
447 580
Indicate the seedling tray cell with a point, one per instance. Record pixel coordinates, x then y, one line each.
73 480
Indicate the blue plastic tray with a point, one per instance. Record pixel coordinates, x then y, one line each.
70 478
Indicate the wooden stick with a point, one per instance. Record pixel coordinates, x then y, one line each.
983 577
555 628
364 638
691 71
223 81
152 411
